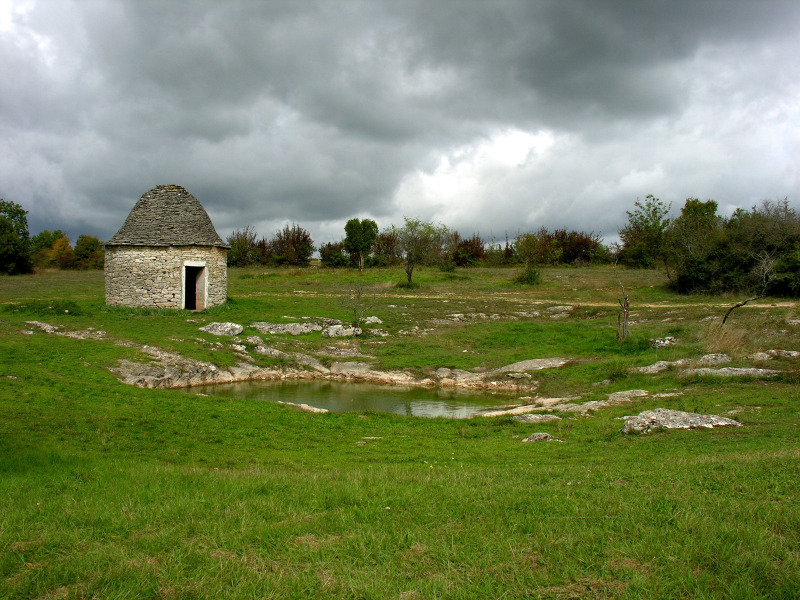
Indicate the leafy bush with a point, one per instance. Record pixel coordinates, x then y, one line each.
529 276
242 243
292 245
756 250
332 255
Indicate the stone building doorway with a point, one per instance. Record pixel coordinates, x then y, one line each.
194 287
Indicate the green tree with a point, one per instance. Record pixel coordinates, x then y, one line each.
419 241
643 236
14 239
359 239
88 252
61 254
41 243
689 240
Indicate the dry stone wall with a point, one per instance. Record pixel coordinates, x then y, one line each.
152 276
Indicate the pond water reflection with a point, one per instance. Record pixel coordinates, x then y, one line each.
337 396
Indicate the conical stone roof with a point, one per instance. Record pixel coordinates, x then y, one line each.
167 215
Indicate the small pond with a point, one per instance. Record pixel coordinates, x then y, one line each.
354 397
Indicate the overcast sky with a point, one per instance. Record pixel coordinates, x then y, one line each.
486 116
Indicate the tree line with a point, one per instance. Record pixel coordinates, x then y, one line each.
756 250
20 252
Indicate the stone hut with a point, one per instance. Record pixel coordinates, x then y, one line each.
167 254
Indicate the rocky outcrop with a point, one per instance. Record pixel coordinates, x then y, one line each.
734 372
662 418
230 329
662 365
171 370
290 328
710 360
340 330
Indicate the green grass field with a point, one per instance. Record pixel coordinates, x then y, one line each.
112 491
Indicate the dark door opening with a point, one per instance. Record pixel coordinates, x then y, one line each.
193 276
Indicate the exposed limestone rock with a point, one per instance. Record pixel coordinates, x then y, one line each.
341 331
784 353
362 371
662 418
88 334
558 309
304 407
709 360
733 372
272 352
47 328
372 321
298 357
536 418
794 322
231 329
171 370
664 342
534 405
343 351
528 314
533 364
378 332
541 437
626 396
662 365
761 356
290 328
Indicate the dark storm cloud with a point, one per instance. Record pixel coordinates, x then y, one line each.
315 112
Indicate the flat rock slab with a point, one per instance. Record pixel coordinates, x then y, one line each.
662 365
304 407
663 418
231 329
290 328
734 372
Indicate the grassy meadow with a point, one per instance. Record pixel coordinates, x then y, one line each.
112 491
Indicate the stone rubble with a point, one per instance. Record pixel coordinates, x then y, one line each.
662 418
665 342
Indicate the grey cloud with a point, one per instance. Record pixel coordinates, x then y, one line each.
318 111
